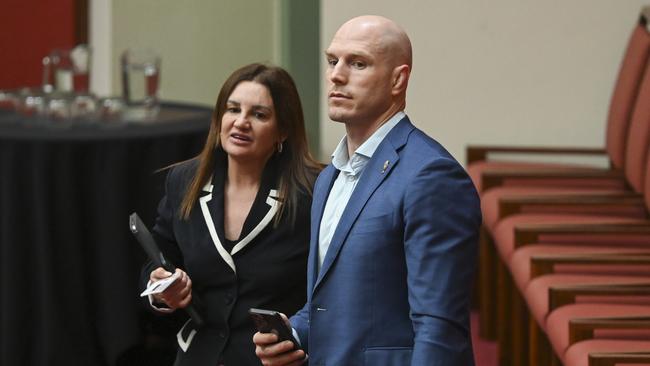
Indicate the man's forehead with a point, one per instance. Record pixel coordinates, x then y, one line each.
354 45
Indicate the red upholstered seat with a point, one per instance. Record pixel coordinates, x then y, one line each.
536 293
475 171
578 354
636 153
520 260
504 231
627 136
490 201
557 322
620 110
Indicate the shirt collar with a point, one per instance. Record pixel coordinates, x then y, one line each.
363 153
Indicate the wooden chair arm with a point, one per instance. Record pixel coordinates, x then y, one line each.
581 329
530 233
479 152
543 264
514 205
495 178
564 295
613 359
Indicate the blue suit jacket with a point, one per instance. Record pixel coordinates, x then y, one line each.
394 287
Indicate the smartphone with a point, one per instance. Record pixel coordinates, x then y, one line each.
269 321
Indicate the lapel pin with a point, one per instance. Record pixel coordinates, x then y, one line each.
386 163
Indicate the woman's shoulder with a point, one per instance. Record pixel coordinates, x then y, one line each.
183 172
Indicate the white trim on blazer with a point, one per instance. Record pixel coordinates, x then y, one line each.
271 200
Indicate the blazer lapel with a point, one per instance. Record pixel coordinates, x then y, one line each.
378 168
264 208
273 203
326 180
209 212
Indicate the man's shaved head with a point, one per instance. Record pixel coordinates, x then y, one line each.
369 64
387 36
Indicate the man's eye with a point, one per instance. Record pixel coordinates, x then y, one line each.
358 65
331 62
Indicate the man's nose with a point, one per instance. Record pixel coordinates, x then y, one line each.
338 74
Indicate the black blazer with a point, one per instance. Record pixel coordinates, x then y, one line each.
265 269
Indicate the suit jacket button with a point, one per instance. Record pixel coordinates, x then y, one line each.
222 335
228 298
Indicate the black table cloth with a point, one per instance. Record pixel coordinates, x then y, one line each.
69 266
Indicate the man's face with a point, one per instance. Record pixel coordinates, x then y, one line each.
358 76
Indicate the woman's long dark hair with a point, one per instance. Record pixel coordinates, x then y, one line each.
298 168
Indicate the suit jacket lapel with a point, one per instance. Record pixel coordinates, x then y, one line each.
378 168
326 180
263 210
213 214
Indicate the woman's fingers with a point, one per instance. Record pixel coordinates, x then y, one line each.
179 293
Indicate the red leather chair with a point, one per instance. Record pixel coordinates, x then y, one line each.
572 207
534 177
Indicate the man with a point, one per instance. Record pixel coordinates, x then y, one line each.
395 223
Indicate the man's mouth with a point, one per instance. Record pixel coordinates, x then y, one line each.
338 95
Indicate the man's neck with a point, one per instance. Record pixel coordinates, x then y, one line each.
357 133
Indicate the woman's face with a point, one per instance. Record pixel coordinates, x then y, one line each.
249 129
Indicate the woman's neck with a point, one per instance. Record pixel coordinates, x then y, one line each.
244 175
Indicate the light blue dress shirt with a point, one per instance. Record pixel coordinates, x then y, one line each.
351 169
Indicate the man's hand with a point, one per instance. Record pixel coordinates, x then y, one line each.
272 353
179 294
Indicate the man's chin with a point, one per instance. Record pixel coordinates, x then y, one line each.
337 116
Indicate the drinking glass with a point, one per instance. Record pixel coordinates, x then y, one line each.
58 107
9 100
140 82
111 109
67 70
83 106
31 102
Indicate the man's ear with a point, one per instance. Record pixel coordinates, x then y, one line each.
400 79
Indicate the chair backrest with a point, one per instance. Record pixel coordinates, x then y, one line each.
626 90
639 137
646 184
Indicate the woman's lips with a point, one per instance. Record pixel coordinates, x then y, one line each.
240 138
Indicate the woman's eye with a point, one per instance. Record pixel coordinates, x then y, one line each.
232 110
259 115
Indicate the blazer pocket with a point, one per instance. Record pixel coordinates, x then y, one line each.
388 356
372 224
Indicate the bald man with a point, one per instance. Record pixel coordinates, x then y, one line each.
394 224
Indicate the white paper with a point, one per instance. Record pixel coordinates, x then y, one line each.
160 286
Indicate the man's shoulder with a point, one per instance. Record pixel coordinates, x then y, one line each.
419 143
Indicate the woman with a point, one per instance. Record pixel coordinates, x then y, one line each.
236 218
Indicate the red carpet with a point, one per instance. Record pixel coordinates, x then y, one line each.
485 352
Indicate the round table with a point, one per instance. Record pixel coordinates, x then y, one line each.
69 266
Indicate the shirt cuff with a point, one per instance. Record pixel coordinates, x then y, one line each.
295 335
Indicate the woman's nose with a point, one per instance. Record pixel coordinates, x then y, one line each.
241 121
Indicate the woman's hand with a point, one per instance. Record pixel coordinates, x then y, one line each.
179 294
